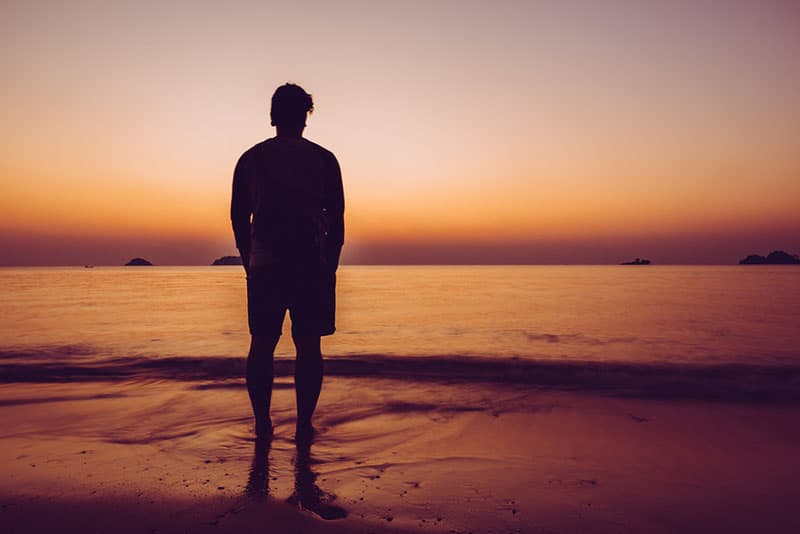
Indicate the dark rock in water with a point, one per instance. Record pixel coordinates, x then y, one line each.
776 257
753 259
138 262
228 260
637 261
779 257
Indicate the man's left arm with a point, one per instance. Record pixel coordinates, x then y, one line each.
334 204
241 210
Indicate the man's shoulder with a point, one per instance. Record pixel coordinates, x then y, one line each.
321 150
273 147
258 147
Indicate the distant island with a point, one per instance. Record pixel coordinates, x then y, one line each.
776 257
228 260
637 261
138 262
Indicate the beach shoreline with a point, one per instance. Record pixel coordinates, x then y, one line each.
397 456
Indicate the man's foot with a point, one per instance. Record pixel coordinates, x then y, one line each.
263 428
304 433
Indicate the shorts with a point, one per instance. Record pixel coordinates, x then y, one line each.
309 293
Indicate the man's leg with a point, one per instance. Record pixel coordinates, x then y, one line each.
259 380
307 378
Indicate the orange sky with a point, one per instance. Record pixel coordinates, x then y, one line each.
478 132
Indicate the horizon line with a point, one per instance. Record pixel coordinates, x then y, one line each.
652 264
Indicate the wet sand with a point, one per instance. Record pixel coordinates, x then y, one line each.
162 456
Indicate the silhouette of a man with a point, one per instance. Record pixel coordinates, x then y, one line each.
287 212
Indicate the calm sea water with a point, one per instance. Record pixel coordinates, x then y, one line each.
678 314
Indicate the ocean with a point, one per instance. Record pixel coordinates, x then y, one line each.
444 322
456 399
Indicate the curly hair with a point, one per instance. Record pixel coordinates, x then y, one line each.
290 103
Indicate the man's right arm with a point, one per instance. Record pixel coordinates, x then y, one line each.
334 203
241 210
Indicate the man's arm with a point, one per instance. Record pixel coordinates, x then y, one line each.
334 203
241 210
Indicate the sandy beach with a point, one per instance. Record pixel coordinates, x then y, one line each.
160 456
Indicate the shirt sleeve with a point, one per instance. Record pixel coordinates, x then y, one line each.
241 207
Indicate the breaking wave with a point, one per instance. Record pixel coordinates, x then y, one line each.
735 382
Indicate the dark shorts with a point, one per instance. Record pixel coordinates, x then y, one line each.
308 293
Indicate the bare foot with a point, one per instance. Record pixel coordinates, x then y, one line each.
304 433
263 428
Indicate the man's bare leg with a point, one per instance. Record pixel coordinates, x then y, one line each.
307 380
259 380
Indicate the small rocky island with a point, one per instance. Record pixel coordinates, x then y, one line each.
228 260
637 261
776 257
138 262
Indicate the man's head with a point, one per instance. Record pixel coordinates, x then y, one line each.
290 104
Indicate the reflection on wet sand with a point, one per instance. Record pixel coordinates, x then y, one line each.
307 494
258 479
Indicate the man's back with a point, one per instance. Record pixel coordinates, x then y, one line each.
293 189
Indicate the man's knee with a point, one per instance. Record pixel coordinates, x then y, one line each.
308 347
263 345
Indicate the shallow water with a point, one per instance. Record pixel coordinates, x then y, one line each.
421 455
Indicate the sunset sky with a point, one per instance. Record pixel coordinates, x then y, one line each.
467 132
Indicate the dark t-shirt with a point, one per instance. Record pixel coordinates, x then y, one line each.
287 204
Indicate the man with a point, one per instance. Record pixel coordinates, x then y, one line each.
287 212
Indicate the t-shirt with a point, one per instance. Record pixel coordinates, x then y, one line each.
287 204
